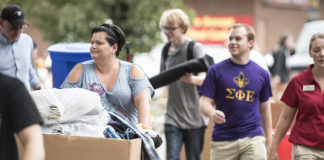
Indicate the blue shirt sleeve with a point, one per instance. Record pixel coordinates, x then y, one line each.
137 85
67 84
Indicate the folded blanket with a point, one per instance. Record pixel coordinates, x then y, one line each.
71 111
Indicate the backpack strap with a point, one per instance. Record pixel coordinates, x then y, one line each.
190 50
166 47
164 56
165 51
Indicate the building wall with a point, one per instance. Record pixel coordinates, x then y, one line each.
269 22
223 7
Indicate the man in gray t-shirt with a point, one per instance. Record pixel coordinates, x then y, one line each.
184 123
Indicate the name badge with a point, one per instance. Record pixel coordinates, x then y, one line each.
308 87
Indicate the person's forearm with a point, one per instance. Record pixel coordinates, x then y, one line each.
206 107
265 112
283 124
33 78
31 139
142 103
33 151
276 79
144 114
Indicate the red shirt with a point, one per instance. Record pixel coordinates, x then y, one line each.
304 93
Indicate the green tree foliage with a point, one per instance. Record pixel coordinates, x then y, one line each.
72 20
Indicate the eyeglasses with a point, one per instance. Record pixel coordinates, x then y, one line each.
165 28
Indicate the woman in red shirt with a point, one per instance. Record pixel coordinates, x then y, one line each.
305 94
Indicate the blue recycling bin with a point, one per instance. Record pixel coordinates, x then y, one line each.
64 57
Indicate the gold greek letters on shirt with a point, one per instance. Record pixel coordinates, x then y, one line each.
239 94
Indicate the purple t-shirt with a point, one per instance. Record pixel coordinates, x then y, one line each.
237 91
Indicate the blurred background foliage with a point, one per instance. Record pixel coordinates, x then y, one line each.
72 20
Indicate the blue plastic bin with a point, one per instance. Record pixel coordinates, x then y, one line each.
64 57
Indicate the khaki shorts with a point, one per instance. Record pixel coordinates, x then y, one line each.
300 152
249 148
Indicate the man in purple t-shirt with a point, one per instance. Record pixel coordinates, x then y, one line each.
235 95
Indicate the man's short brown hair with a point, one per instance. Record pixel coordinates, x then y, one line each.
249 29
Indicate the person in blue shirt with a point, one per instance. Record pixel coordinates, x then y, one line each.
235 95
122 86
16 47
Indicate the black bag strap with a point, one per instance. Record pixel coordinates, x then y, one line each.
165 51
190 50
166 47
190 56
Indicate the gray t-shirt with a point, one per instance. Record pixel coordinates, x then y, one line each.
183 98
121 97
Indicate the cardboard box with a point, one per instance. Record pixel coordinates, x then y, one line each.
60 147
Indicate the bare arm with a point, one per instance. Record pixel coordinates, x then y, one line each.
75 73
207 107
142 100
276 80
286 117
194 79
31 139
266 121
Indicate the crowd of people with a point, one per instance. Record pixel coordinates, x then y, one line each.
234 93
